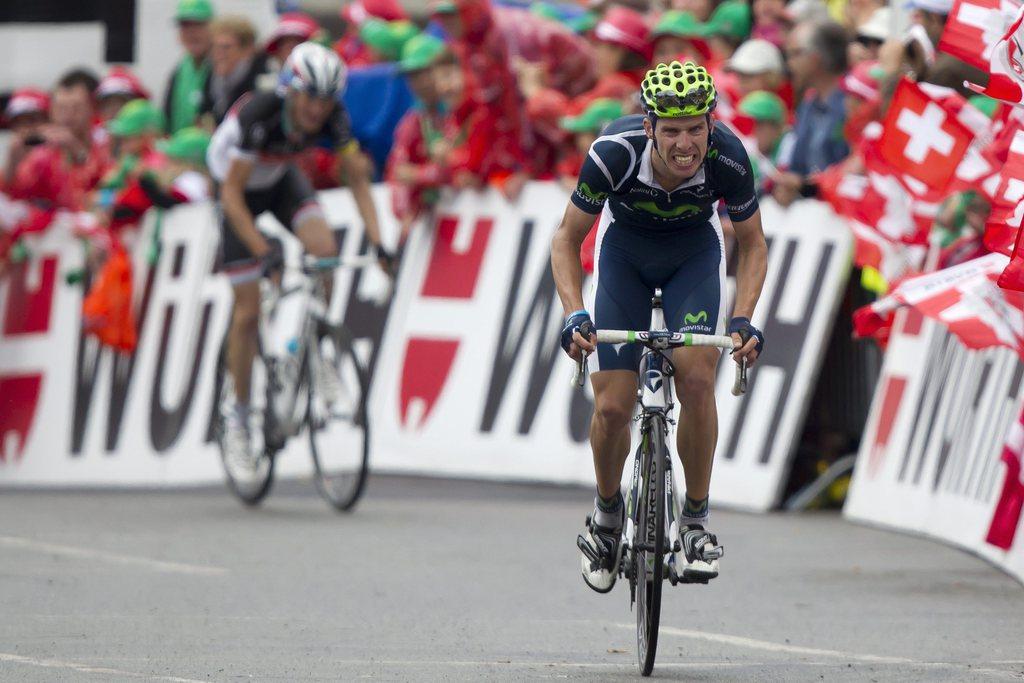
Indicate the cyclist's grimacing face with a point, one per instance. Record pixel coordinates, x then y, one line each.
681 143
310 113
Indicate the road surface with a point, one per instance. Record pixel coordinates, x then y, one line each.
450 580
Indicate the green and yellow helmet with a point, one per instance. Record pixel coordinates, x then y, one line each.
675 90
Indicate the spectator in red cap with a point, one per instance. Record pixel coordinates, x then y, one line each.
623 43
62 172
119 87
292 29
350 47
26 114
482 49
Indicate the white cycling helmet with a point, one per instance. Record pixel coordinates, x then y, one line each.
314 69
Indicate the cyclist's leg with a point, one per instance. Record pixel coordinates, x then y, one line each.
695 303
299 210
619 300
244 272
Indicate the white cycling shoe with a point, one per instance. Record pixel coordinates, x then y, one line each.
238 452
600 554
697 562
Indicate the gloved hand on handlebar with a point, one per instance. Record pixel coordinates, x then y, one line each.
273 259
578 333
750 338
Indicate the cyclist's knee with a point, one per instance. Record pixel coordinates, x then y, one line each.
246 311
696 383
614 414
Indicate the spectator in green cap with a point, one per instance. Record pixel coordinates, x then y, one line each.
679 36
585 128
728 27
768 113
135 130
184 91
387 38
411 172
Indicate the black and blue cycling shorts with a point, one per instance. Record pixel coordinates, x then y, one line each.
687 265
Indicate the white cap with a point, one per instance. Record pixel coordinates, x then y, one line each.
933 6
878 25
756 56
798 11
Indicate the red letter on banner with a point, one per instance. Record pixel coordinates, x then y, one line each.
424 372
20 396
28 312
452 273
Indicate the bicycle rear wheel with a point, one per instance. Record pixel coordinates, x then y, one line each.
249 481
338 425
648 564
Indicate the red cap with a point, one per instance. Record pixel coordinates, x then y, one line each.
361 10
121 81
292 25
547 105
625 27
862 82
27 101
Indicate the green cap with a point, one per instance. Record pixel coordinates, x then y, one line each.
420 52
188 144
137 117
763 106
194 10
387 37
678 23
596 116
985 104
732 19
583 23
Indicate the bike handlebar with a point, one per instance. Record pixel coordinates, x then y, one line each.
311 265
663 339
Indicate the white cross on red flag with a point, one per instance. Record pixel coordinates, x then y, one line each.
1000 229
974 23
922 138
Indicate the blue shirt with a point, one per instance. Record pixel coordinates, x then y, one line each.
818 137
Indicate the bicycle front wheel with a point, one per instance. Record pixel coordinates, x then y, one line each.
337 419
650 549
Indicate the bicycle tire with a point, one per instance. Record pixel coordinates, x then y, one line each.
341 485
250 493
649 560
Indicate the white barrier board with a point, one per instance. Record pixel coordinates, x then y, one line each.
930 461
467 376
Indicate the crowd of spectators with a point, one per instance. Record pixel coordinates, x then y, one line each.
476 94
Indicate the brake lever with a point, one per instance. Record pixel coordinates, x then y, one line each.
739 387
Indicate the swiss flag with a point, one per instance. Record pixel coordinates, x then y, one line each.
974 23
1001 229
1006 66
1013 276
921 138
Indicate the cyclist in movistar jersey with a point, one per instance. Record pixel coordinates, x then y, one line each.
655 179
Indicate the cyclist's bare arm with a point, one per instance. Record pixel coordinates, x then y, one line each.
232 199
565 262
358 175
750 272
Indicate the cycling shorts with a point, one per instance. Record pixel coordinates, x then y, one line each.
291 200
688 266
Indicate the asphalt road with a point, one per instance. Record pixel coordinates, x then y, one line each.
443 580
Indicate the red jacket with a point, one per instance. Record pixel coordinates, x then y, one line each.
47 175
410 148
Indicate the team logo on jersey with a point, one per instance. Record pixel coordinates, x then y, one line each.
681 211
590 195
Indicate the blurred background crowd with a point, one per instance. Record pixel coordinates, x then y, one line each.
475 93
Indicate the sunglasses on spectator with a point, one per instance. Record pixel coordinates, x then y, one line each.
867 41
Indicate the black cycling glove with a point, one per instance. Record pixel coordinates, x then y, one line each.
742 327
578 320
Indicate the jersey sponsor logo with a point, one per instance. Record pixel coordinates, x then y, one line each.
591 196
681 211
741 207
691 319
733 164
